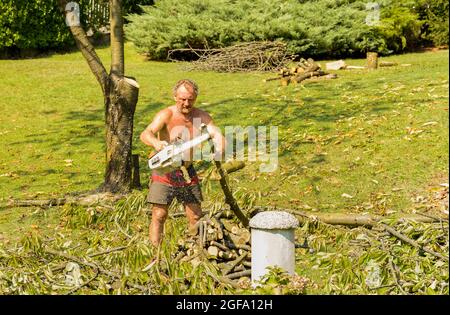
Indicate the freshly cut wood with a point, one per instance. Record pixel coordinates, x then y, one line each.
212 236
218 227
235 263
221 246
236 275
229 226
329 76
335 65
226 255
239 268
244 233
299 78
354 67
213 251
236 239
304 69
387 64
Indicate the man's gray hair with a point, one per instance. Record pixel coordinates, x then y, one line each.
185 82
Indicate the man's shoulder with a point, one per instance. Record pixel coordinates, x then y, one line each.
201 113
166 112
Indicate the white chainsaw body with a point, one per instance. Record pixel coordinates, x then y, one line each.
170 158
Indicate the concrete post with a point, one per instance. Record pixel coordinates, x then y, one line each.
273 242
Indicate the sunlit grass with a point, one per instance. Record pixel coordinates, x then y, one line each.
375 137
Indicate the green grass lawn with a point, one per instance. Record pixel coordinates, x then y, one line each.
379 135
368 141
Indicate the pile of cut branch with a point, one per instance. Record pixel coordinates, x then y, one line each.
222 241
252 56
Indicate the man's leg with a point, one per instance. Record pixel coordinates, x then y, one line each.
159 216
193 213
160 196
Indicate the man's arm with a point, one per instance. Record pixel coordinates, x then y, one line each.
148 136
217 137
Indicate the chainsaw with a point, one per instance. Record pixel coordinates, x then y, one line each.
170 158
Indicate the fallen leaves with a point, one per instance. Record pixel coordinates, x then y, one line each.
68 162
430 123
413 131
10 174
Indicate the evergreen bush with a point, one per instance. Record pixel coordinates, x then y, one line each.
320 28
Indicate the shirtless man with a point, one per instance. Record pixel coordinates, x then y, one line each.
165 187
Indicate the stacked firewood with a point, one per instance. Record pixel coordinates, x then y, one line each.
221 240
303 70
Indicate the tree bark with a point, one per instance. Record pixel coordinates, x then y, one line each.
119 113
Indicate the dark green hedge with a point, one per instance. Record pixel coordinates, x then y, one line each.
315 28
38 24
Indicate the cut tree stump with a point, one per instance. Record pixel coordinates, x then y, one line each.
372 60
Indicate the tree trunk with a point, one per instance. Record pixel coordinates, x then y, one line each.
120 106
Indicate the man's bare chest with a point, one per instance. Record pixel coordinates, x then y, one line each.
186 129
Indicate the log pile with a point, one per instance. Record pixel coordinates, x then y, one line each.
221 240
303 70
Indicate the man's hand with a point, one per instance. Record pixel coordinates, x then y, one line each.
159 145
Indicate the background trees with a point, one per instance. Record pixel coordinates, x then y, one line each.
37 25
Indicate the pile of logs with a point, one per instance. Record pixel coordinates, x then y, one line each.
303 70
221 240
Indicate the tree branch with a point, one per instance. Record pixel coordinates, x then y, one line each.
117 49
87 50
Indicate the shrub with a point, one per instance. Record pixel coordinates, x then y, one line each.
321 28
32 24
39 24
435 16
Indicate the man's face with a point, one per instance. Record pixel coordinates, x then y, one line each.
185 99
